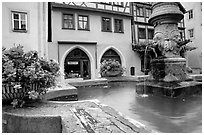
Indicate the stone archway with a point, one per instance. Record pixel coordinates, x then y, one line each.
77 65
111 54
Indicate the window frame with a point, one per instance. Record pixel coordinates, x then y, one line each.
138 9
191 33
19 21
190 14
88 27
147 11
139 33
122 26
152 30
103 27
106 3
73 21
120 4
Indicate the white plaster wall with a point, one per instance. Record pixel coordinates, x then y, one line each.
35 38
119 41
194 57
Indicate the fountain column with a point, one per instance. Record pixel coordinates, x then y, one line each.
168 66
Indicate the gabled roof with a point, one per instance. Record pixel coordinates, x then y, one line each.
181 7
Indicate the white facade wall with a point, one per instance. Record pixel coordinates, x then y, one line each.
120 42
36 37
194 57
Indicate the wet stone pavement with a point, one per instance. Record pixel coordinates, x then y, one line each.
91 117
86 117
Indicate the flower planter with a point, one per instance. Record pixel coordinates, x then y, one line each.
9 92
112 74
25 75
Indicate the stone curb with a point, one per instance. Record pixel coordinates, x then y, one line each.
60 92
13 123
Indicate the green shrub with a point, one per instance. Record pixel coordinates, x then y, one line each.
111 67
21 70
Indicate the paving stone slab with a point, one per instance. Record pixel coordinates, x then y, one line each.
83 117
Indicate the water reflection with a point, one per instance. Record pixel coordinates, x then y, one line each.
159 113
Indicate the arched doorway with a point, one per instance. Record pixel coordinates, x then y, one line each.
111 54
77 65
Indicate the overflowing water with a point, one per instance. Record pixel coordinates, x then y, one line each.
159 113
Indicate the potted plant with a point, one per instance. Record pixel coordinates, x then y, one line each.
111 68
26 76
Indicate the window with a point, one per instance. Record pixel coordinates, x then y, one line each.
108 3
118 23
148 12
113 3
181 23
182 35
106 24
68 21
150 33
141 33
83 22
140 11
190 14
191 33
118 3
132 70
19 21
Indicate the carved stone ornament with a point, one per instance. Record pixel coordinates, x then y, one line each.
169 66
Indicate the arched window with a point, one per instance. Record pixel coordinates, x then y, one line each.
110 54
77 65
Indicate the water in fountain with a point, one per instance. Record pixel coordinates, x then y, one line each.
144 94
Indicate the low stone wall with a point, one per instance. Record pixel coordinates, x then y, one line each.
59 92
106 80
88 83
12 123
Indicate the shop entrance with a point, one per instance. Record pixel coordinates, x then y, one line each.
77 65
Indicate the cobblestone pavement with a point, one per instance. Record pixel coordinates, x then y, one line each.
85 117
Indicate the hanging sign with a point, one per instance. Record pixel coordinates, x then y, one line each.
73 62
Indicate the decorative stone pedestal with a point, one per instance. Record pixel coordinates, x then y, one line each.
170 89
169 69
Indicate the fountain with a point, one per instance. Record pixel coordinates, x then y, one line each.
168 66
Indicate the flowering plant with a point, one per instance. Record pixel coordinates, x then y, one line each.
141 46
22 70
111 67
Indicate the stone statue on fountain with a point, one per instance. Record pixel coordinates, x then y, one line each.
169 63
167 52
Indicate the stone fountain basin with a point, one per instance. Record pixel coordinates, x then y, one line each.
171 89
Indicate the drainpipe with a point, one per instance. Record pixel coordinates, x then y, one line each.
58 53
49 22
